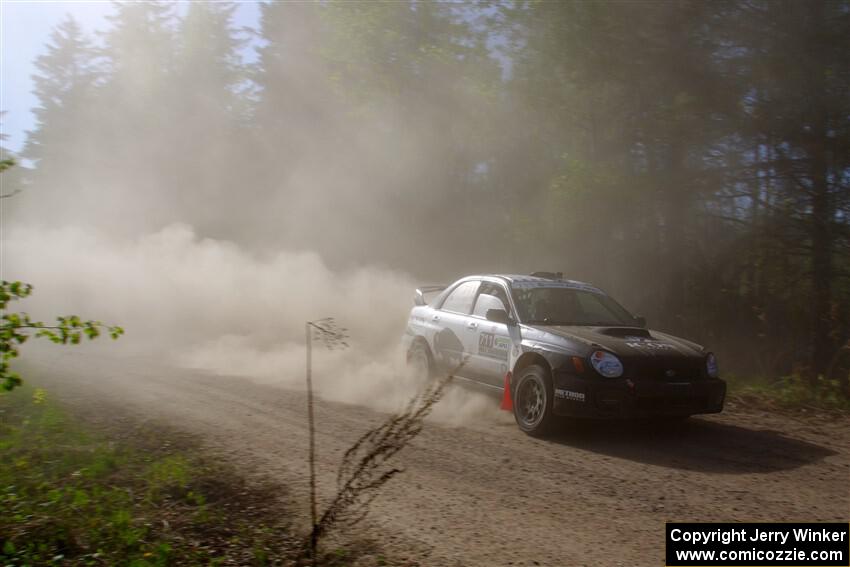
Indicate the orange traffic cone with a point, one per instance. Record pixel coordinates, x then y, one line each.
507 401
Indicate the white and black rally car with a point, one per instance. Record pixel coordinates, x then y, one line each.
554 346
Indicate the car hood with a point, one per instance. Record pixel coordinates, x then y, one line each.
622 341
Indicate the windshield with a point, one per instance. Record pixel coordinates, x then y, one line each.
568 306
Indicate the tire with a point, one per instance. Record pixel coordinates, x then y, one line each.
532 398
420 361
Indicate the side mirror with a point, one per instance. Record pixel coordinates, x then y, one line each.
640 321
499 316
419 298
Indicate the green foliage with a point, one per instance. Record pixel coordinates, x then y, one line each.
6 164
58 500
170 472
70 496
794 393
17 328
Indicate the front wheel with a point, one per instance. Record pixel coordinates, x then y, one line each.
533 401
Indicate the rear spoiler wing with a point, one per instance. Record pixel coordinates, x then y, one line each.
419 296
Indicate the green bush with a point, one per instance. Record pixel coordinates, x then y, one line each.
70 496
794 392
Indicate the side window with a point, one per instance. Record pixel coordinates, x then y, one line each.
460 299
485 302
492 296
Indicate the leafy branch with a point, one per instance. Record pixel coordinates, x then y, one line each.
4 165
17 328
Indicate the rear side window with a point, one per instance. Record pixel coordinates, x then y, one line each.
460 299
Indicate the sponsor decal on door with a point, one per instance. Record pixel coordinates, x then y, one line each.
493 346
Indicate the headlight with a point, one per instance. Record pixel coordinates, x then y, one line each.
711 365
606 364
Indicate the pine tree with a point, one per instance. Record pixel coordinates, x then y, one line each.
799 69
10 182
60 144
137 117
140 50
210 105
364 100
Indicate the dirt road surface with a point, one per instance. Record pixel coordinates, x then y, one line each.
484 493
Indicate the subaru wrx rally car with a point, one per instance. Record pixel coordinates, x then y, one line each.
554 346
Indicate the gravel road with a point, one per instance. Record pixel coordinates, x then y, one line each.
484 493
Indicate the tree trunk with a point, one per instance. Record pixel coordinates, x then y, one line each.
823 212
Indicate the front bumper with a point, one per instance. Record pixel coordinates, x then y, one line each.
597 397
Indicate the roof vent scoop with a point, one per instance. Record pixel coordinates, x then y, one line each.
622 332
549 275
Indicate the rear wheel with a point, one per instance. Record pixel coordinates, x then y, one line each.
532 399
419 361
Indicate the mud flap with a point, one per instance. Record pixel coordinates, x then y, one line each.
507 402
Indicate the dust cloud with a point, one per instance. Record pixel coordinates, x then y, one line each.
211 182
211 194
210 304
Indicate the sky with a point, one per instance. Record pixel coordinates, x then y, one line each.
25 27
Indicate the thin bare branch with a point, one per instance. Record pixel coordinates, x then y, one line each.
366 465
